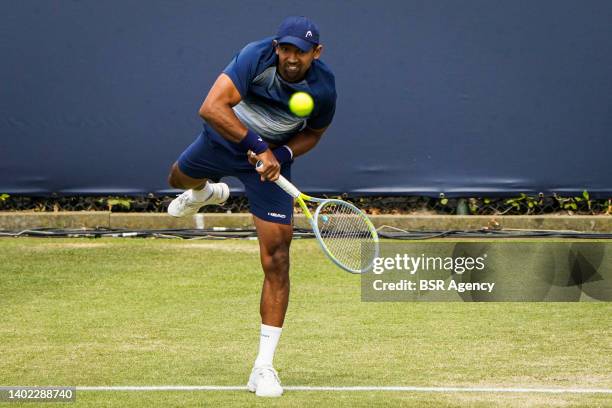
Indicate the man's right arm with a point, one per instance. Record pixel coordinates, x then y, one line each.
217 111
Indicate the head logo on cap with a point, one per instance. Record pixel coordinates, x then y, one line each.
308 33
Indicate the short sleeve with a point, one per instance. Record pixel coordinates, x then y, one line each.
325 114
242 68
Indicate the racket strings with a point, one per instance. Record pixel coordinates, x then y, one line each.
346 234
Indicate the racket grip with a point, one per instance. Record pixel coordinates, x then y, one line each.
283 183
287 186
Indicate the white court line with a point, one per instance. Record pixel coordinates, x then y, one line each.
354 388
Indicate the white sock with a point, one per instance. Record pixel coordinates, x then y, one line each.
203 194
267 344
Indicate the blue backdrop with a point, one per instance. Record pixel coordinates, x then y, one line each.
476 97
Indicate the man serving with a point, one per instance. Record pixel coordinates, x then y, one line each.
247 119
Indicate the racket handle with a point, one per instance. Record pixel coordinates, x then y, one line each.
283 183
287 186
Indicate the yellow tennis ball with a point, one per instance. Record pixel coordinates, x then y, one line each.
301 104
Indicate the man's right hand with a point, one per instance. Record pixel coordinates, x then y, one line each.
270 169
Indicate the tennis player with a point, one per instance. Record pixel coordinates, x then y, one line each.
246 118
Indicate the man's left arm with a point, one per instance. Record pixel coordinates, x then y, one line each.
301 143
305 141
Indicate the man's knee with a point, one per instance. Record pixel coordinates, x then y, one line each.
275 262
278 259
173 177
177 179
274 242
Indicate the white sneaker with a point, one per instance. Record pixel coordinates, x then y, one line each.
183 205
264 382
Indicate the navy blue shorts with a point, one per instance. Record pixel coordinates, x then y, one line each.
208 157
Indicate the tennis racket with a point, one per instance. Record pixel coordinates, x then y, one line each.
343 231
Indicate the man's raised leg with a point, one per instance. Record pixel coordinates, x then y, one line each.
199 192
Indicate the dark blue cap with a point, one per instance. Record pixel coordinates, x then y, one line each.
299 31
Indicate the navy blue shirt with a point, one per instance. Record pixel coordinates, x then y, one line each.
265 94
